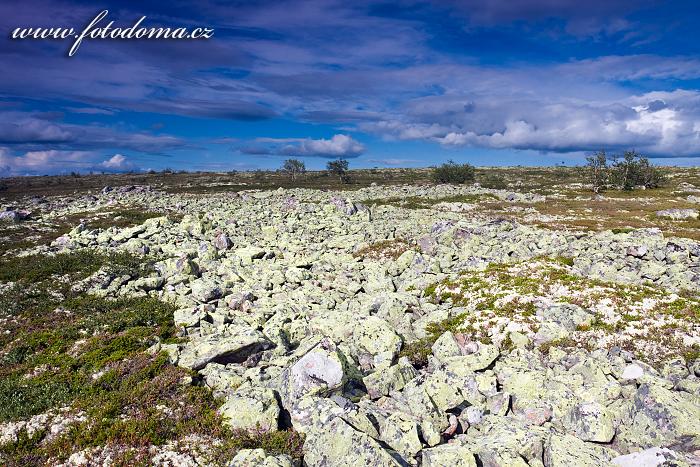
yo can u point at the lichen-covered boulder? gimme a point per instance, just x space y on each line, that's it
182 265
504 441
393 378
221 379
591 422
660 416
568 450
453 455
549 332
400 432
189 316
446 346
250 408
338 444
249 253
375 337
448 390
233 344
566 315
193 225
477 361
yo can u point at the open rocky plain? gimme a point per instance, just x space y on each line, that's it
521 324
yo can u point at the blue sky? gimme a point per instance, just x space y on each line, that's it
383 84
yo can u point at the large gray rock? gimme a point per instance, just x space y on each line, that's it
322 371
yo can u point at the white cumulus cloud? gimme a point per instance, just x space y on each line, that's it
118 163
339 145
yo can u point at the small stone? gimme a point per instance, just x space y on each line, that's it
632 372
473 415
637 251
205 290
222 242
498 404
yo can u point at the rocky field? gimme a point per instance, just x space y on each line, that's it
521 321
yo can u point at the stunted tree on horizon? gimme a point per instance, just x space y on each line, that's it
625 173
294 167
597 165
339 167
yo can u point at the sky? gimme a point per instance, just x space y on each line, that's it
381 84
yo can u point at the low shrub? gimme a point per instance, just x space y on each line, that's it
453 173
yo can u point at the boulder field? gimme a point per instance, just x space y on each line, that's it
431 336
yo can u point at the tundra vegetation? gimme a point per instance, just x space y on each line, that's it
512 317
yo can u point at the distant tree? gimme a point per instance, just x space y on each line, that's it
453 173
626 172
75 174
339 167
293 167
635 170
597 165
649 176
